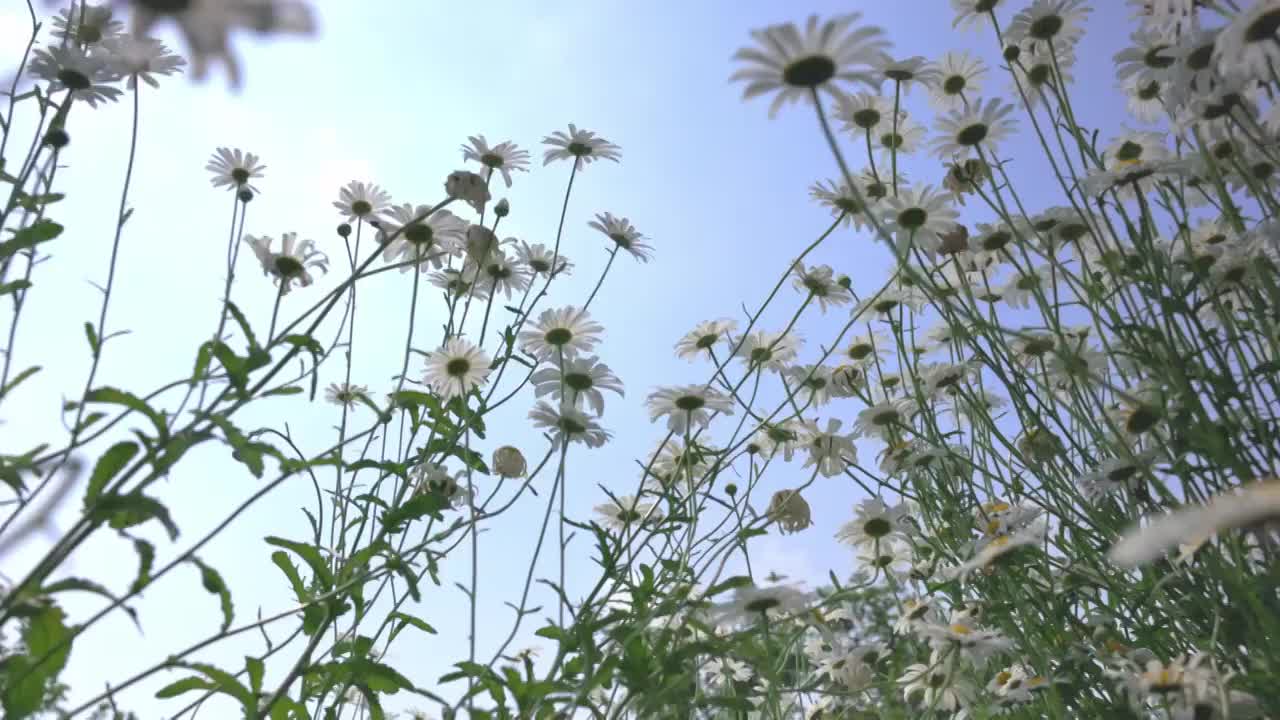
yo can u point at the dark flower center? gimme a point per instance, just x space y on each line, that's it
866 118
972 135
860 350
1129 152
985 6
1046 27
690 403
287 266
877 527
848 204
622 240
1199 58
953 85
165 6
1155 59
1141 419
558 336
706 341
762 604
1264 28
996 240
240 175
419 234
1040 74
579 149
73 79
578 381
492 160
457 367
1150 91
361 207
892 140
912 218
570 426
899 74
809 71
885 417
761 355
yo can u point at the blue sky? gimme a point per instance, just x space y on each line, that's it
387 92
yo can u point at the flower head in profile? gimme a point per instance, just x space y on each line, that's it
456 369
566 330
508 462
820 282
918 217
627 511
468 187
346 394
905 73
1058 21
623 234
578 379
417 234
704 337
86 24
503 157
140 58
581 145
770 349
849 206
1250 44
539 259
360 200
207 25
753 603
1249 505
569 424
233 169
687 406
85 76
292 263
972 12
829 450
795 64
789 511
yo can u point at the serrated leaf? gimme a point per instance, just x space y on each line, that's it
146 560
409 620
107 467
427 503
115 396
29 237
128 510
13 287
212 581
18 379
310 555
282 561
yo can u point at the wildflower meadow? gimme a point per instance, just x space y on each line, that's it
394 469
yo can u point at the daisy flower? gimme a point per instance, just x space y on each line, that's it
581 145
1034 68
819 282
863 347
829 451
770 349
503 157
902 138
892 559
1250 44
936 685
468 187
565 331
86 24
539 259
879 420
687 406
627 510
233 169
703 337
961 131
501 275
1060 21
812 383
456 369
753 603
972 12
850 207
358 200
584 377
958 81
915 612
918 216
721 671
963 633
795 64
1249 505
873 521
84 76
778 437
508 462
569 424
865 112
906 72
415 233
345 394
789 511
1194 71
623 234
206 25
1148 58
437 480
1031 536
140 59
291 263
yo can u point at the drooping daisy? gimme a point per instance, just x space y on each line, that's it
457 368
291 263
829 450
138 58
580 379
233 169
468 187
359 200
874 521
345 394
1251 504
628 510
960 132
781 437
705 336
86 24
918 216
1250 44
906 72
539 258
501 274
503 157
852 208
581 145
789 511
508 462
569 424
207 25
623 234
687 406
812 384
795 64
959 81
880 419
988 552
84 76
820 283
416 234
770 349
752 603
565 331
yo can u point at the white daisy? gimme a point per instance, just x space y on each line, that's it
86 24
721 671
901 139
769 349
345 394
795 63
138 58
85 77
584 377
416 234
687 406
628 510
972 12
1148 58
880 419
830 451
456 369
703 337
1250 44
539 258
906 72
820 283
865 112
782 437
569 424
890 558
874 521
565 331
851 208
961 131
917 216
233 169
503 157
501 274
753 603
291 263
623 234
812 384
959 81
581 145
1249 505
358 200
937 685
1060 21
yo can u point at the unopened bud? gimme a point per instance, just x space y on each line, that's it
245 195
344 230
502 209
508 462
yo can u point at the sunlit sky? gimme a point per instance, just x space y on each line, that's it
386 93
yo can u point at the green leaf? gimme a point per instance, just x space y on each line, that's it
126 511
310 555
94 344
736 581
243 449
18 379
146 559
29 237
74 584
406 621
282 561
213 582
115 396
422 504
108 466
13 287
286 390
243 323
222 681
255 668
185 685
48 644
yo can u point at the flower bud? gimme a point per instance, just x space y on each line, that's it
57 138
730 489
469 188
508 462
245 195
344 230
502 209
790 511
